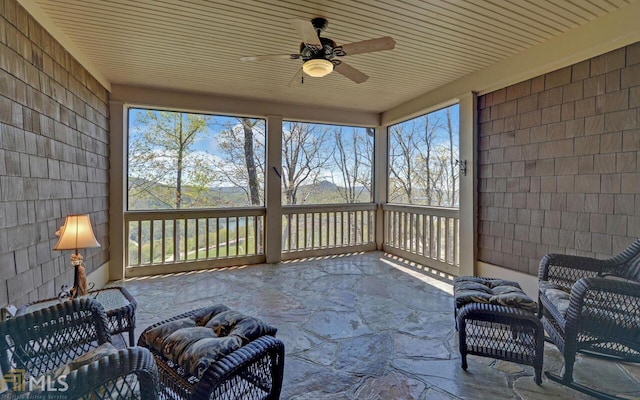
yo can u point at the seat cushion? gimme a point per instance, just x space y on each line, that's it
556 295
51 378
155 337
96 354
491 291
197 341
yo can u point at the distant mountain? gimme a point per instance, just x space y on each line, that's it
159 196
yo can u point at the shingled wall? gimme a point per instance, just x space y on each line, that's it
54 148
559 167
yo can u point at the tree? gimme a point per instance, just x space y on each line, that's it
250 160
163 161
403 150
242 160
354 162
421 164
453 202
303 157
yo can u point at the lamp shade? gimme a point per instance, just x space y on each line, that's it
317 67
76 233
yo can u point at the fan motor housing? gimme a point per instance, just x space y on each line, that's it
326 52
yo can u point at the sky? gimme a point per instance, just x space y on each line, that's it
218 123
209 144
441 134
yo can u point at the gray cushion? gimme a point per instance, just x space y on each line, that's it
155 337
491 291
90 357
196 342
556 295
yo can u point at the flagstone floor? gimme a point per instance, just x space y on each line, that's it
366 326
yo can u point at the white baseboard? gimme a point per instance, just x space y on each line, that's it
99 277
529 283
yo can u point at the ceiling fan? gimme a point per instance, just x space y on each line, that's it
320 55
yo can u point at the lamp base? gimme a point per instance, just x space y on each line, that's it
80 286
80 282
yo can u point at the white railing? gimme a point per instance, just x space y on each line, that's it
427 235
179 240
323 229
163 241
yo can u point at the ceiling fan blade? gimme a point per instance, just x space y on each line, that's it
367 46
307 32
270 57
350 72
296 80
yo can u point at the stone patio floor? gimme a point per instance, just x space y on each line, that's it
366 326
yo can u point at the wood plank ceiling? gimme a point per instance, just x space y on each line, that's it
195 45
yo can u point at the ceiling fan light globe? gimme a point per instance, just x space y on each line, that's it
317 67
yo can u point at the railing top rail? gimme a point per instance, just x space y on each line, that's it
193 213
304 208
426 210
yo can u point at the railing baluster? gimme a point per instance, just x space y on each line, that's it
319 220
341 224
246 235
387 227
392 220
163 242
139 242
361 213
174 233
446 239
226 236
411 233
354 228
127 235
403 231
362 216
290 229
335 229
197 221
298 217
207 237
455 242
237 236
431 239
438 237
217 237
421 239
152 242
349 229
186 239
313 230
252 231
398 234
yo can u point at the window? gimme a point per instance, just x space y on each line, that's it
183 160
325 164
423 156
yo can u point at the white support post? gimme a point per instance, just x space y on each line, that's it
380 182
273 191
117 187
468 183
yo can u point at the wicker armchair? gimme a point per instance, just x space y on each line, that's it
591 305
40 342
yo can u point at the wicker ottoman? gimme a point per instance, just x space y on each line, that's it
496 319
216 353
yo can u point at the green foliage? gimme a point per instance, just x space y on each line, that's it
164 169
